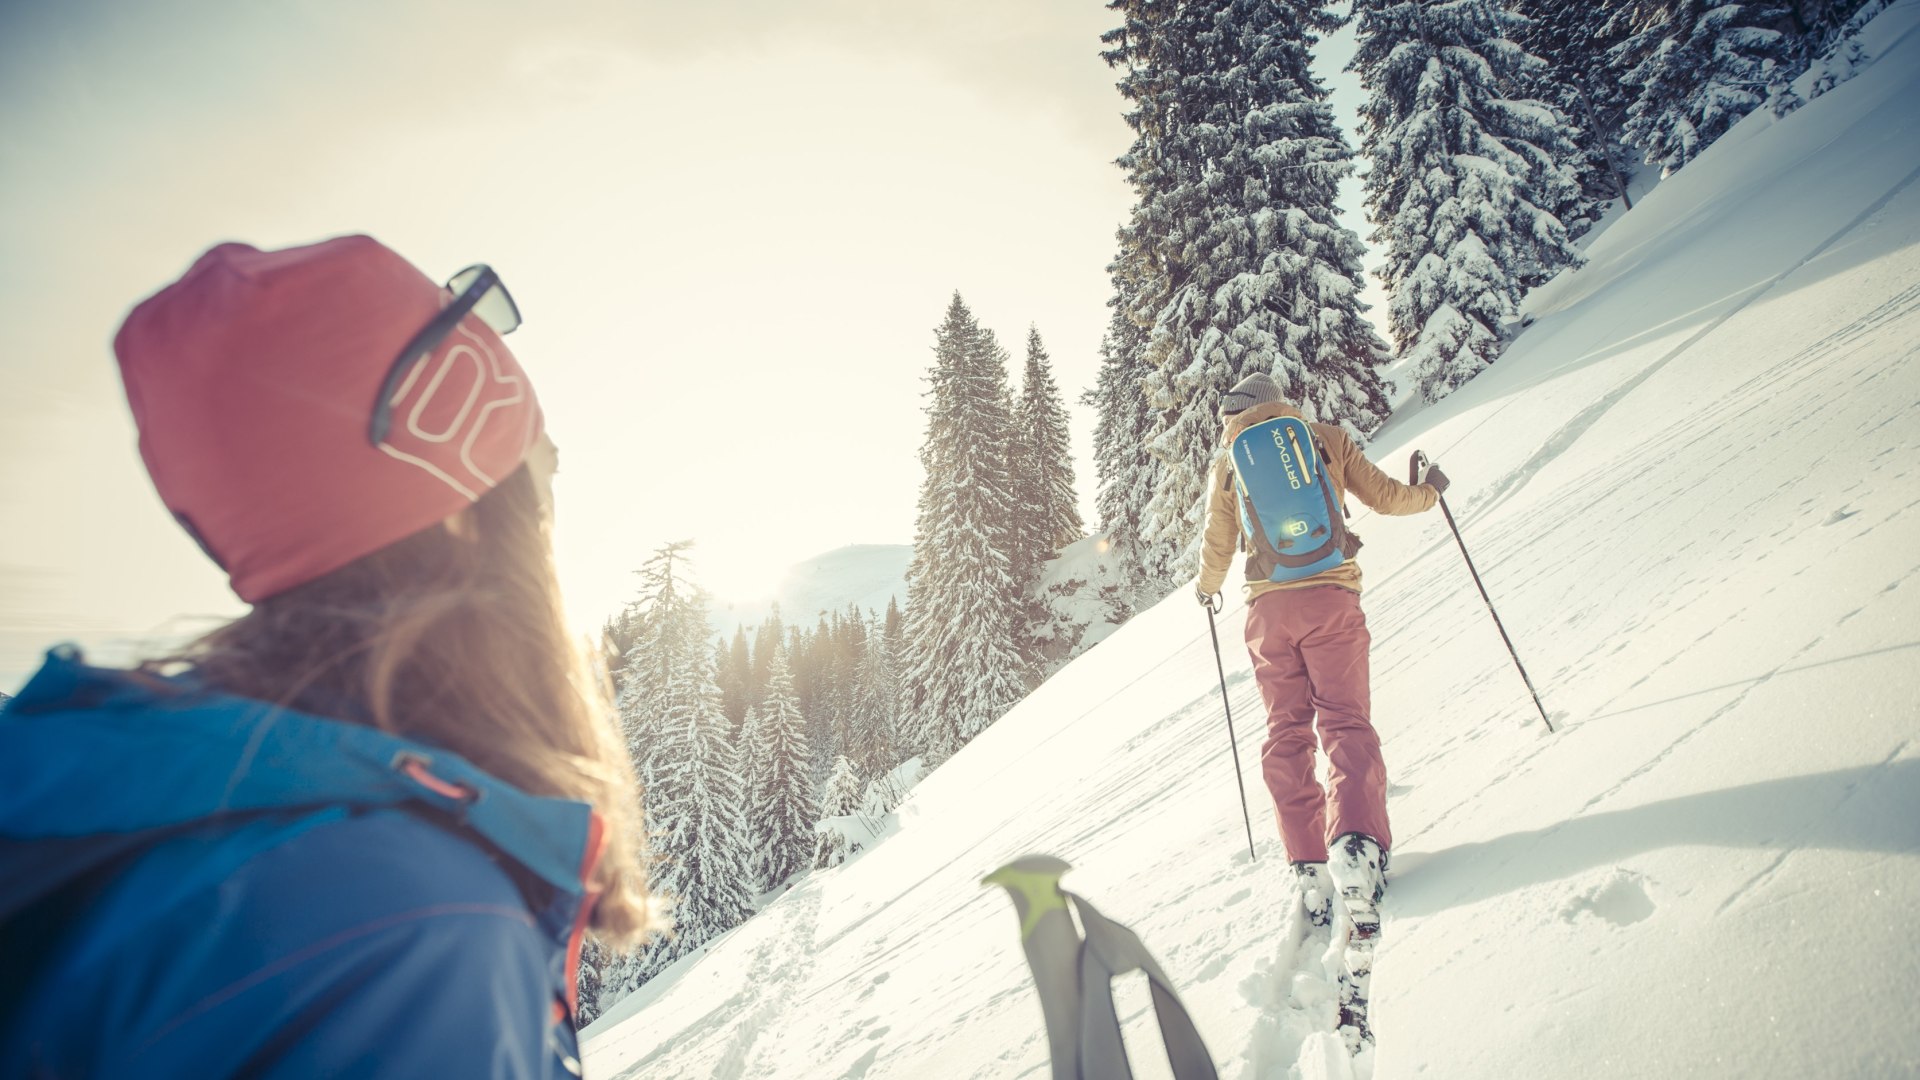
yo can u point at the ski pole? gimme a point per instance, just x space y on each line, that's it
1420 465
1232 741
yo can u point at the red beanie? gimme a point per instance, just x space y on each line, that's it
253 379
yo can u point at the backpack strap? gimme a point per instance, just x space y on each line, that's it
1228 485
1254 535
1319 447
1350 542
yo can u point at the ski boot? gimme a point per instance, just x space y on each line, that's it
1317 891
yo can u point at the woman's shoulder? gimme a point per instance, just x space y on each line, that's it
209 875
274 926
384 862
1336 438
261 891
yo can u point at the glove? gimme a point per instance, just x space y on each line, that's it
1210 601
1436 479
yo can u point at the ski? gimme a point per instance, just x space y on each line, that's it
1363 932
1357 865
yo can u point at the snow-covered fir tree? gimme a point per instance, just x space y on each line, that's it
780 805
966 666
1045 499
1580 76
768 638
590 982
1045 505
655 657
1825 22
1461 181
843 794
1131 389
844 789
813 682
1833 35
1124 423
894 636
848 648
689 770
873 707
1699 67
1237 168
616 642
734 669
728 692
894 629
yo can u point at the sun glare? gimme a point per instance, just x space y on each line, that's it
738 576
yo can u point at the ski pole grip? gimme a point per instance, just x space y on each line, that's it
1417 467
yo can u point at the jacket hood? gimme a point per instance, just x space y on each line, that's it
95 761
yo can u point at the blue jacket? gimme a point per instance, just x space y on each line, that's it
199 885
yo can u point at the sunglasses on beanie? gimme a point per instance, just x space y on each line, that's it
477 290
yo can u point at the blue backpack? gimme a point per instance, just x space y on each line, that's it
1290 514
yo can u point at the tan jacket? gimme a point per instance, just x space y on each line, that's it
1351 472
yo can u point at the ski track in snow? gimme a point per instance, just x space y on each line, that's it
1569 434
784 954
780 956
1702 469
1898 317
1768 872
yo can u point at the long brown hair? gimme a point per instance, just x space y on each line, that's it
459 640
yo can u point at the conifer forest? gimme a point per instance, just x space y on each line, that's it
1494 136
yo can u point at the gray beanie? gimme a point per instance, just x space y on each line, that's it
1256 389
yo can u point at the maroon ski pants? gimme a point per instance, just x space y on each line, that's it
1309 651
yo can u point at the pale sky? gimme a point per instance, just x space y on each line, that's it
731 227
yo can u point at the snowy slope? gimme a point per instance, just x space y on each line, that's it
864 574
1693 485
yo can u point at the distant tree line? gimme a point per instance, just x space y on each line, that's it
733 741
744 744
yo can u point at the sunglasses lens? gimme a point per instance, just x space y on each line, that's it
496 308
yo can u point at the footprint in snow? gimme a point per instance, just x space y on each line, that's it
1839 516
1621 900
1211 970
859 1068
